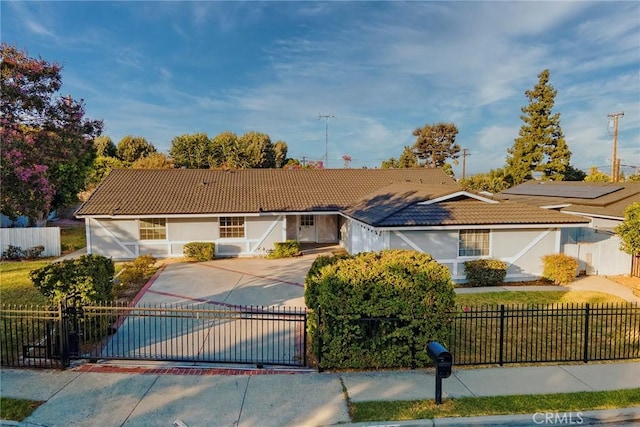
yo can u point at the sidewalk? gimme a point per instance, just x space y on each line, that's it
112 395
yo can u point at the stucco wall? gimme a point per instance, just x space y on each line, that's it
440 244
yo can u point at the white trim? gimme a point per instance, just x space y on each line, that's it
565 205
591 215
480 227
87 233
457 194
211 215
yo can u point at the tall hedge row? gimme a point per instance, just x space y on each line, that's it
409 289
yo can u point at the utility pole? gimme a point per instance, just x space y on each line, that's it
615 171
326 118
465 153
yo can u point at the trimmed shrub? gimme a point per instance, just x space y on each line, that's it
137 270
312 279
13 253
33 252
408 290
86 279
200 251
485 272
287 249
559 268
16 253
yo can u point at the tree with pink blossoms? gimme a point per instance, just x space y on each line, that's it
47 143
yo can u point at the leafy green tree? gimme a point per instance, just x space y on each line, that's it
153 161
634 177
280 149
436 143
101 168
226 151
131 148
574 174
191 151
629 230
595 175
258 149
495 181
47 143
540 146
407 160
105 146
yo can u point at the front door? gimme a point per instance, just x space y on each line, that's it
306 228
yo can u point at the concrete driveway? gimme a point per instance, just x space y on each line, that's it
234 281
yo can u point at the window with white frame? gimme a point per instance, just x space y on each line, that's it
153 229
306 220
231 226
473 243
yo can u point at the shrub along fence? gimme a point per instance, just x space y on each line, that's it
513 334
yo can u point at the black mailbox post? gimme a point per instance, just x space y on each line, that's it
443 362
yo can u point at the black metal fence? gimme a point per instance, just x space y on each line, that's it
528 333
193 333
50 338
545 333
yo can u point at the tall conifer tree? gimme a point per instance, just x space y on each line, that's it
540 146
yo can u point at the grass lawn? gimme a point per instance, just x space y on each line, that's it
498 405
16 286
72 238
535 297
17 409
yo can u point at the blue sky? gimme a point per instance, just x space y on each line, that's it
163 69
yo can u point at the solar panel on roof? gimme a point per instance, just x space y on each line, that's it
565 191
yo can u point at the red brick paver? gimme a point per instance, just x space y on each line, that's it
147 370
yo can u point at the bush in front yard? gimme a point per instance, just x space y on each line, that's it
86 279
200 251
485 272
312 280
408 290
560 268
287 249
136 271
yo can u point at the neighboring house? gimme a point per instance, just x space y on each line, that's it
596 246
245 212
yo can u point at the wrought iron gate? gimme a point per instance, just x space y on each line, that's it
187 333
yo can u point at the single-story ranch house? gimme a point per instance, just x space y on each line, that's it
603 203
136 211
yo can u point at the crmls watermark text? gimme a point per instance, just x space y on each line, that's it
567 418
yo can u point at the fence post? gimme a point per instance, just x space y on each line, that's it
585 355
319 333
501 357
63 331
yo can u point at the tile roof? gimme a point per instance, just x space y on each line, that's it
206 191
476 212
612 204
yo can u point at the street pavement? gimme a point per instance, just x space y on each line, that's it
86 397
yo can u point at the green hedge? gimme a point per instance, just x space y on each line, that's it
485 272
200 251
136 271
287 249
409 289
559 268
86 279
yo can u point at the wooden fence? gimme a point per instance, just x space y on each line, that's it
26 238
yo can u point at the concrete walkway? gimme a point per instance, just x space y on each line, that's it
93 395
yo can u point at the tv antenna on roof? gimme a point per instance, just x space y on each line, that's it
326 118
